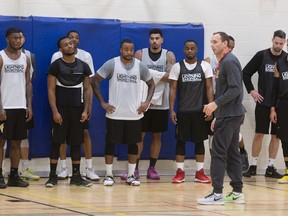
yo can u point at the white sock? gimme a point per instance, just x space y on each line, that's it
131 169
218 194
109 169
89 163
271 161
254 161
63 163
3 164
199 165
180 165
24 164
236 193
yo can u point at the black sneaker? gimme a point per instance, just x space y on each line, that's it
245 162
52 181
271 172
16 181
76 179
250 172
3 185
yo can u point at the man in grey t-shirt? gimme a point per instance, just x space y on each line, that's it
125 107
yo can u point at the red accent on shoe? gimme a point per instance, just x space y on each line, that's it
201 177
180 176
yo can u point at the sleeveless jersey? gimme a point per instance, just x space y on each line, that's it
191 88
213 63
159 65
124 91
81 54
266 76
13 82
69 83
282 66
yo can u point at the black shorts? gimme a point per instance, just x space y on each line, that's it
155 121
71 131
262 119
86 124
282 123
14 127
191 127
123 131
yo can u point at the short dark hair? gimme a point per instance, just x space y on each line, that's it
223 35
126 40
12 31
280 34
231 38
72 31
156 31
60 39
190 40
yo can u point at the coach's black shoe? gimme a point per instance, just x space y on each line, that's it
76 179
250 172
3 185
52 181
271 172
16 181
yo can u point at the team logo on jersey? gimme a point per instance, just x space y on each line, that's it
191 77
14 68
284 75
127 78
269 68
159 68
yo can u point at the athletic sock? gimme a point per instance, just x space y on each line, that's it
109 169
271 161
131 169
199 165
152 162
24 164
89 163
254 161
180 165
75 168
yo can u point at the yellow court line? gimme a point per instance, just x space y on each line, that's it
76 204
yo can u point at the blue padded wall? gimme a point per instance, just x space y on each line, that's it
102 39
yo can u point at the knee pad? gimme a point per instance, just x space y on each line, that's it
109 148
180 148
54 153
133 149
199 148
75 152
24 144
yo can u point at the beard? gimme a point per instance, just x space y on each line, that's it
127 57
277 50
69 54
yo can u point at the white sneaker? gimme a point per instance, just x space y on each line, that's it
212 199
131 180
27 174
90 174
63 173
108 181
